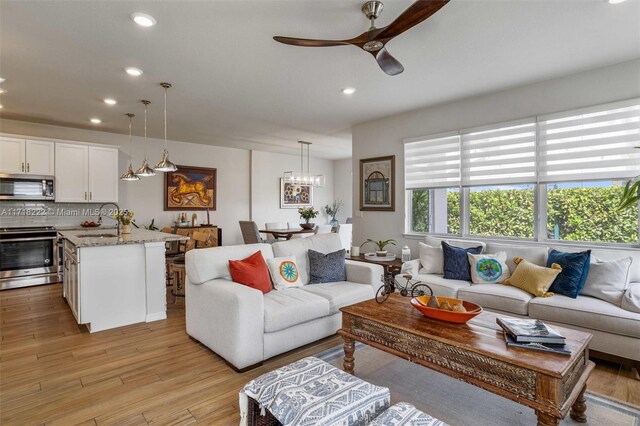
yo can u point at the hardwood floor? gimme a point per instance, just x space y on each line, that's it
53 371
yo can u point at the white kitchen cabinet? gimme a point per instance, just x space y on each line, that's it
103 174
72 173
12 153
33 157
39 157
71 279
86 173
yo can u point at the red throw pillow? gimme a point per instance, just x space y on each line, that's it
252 272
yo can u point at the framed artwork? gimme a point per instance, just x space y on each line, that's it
190 188
377 181
293 196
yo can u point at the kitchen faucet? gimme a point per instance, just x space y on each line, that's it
117 221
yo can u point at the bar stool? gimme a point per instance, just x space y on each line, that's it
170 251
176 267
202 239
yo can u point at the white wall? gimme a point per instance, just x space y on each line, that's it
267 169
237 196
342 187
385 136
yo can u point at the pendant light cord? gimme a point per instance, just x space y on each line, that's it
165 118
145 132
130 140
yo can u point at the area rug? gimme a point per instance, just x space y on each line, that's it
459 403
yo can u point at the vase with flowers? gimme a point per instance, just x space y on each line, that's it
125 218
332 210
307 213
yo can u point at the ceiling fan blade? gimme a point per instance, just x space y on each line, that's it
416 13
388 63
305 42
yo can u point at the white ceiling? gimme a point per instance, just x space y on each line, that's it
235 86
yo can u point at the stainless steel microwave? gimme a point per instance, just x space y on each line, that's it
26 187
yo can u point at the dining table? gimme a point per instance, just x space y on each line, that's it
286 234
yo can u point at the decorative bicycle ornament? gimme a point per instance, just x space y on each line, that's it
410 287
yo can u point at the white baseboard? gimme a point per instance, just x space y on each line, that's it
156 316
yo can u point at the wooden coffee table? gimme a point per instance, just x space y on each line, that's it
475 352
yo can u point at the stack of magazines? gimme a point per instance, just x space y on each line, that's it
532 334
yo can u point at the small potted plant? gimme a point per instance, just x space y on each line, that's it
380 245
125 218
307 213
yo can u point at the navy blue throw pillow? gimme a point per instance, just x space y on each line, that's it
575 267
327 268
456 261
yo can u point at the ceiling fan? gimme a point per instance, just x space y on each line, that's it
374 39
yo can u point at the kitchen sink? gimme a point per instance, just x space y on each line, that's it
97 236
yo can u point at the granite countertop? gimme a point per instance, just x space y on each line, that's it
82 228
137 236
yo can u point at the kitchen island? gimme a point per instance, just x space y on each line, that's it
113 280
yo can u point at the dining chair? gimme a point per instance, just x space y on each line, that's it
251 234
324 229
275 225
345 231
297 226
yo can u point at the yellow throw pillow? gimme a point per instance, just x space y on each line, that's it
532 278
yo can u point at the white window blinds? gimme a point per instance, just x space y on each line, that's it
499 154
432 163
594 143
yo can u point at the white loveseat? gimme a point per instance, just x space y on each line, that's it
245 326
616 331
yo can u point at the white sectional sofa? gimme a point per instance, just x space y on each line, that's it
616 331
245 326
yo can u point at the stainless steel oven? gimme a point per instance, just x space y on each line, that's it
28 256
26 187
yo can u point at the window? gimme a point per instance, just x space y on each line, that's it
502 211
432 178
588 211
499 155
596 143
486 181
435 210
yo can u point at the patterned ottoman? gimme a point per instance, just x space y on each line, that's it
405 414
311 392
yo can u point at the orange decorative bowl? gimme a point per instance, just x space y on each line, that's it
420 303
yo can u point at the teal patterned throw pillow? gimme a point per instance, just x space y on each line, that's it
489 268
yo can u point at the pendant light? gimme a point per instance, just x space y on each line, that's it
145 170
304 178
165 165
129 175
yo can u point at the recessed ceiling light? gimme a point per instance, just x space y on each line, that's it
348 91
615 1
0 106
1 80
96 121
133 71
143 19
2 91
109 101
